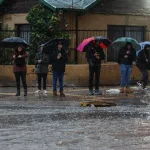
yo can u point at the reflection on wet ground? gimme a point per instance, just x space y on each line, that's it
46 123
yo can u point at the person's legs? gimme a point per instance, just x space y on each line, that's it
128 76
61 85
55 76
44 81
123 77
17 76
23 78
97 80
91 75
145 76
39 78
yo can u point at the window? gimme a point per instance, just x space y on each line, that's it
115 31
23 31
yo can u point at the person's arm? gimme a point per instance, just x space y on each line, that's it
54 56
64 56
36 59
102 54
25 55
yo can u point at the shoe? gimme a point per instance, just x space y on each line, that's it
18 93
128 90
122 90
45 92
98 92
55 93
25 92
91 92
140 84
62 94
37 92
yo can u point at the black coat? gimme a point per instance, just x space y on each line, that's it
131 56
59 65
90 55
141 60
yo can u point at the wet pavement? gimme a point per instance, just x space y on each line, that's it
48 123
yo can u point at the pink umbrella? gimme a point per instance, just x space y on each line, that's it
104 42
84 43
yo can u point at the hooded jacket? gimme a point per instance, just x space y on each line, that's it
123 52
142 58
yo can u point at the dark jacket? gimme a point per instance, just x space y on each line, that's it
43 66
142 58
20 68
90 55
59 65
131 56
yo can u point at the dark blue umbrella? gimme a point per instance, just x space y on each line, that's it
142 44
52 45
13 42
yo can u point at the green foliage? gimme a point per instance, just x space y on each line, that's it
5 53
45 25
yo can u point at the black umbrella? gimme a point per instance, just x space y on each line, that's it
13 42
52 45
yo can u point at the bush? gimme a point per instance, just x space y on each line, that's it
44 27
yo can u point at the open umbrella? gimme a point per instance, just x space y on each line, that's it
120 42
104 43
12 42
142 44
52 44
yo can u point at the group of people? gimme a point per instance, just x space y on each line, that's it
95 54
58 59
126 58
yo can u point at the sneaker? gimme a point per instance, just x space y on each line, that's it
37 92
44 92
140 84
98 92
91 92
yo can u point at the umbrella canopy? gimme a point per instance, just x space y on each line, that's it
69 4
120 42
142 44
104 43
13 42
52 44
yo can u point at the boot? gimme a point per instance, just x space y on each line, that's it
62 94
25 92
55 93
18 92
128 90
122 90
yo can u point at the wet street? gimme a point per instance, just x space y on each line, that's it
47 123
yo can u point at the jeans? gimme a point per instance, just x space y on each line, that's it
39 78
21 75
56 76
94 70
145 75
126 71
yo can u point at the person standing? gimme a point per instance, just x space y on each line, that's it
20 68
142 64
94 56
59 59
126 57
41 69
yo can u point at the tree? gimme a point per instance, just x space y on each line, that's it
45 25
